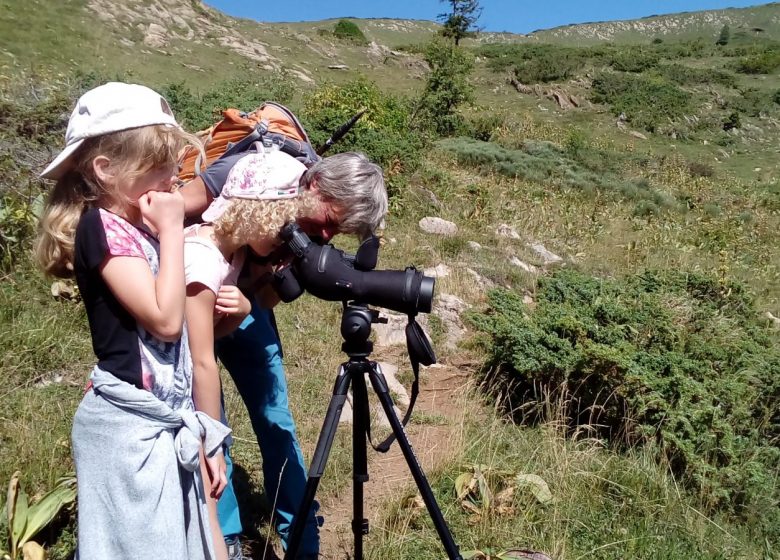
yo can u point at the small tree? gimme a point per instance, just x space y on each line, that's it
349 31
460 22
446 88
724 37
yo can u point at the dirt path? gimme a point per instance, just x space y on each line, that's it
436 434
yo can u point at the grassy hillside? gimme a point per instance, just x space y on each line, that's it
761 21
650 167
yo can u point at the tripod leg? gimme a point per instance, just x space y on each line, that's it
361 419
379 383
318 462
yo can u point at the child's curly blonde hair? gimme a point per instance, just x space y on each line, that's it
247 221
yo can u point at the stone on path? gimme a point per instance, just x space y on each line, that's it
505 230
523 266
438 226
439 271
547 257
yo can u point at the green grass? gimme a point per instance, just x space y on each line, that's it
571 180
605 506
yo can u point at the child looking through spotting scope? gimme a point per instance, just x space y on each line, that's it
114 222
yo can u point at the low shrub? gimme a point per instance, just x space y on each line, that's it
764 63
688 75
349 31
647 101
197 111
544 162
383 132
634 60
677 361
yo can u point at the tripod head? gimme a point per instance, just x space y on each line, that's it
356 321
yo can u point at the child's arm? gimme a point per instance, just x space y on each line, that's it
199 310
233 308
156 303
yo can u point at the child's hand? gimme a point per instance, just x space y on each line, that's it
230 301
163 211
217 469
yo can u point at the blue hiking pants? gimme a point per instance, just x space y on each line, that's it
253 357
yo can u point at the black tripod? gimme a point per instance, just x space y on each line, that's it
355 328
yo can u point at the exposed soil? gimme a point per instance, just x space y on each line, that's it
435 432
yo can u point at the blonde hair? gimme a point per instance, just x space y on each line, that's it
131 153
246 221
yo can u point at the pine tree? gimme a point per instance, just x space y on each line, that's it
460 22
724 37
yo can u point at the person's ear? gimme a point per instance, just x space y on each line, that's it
101 167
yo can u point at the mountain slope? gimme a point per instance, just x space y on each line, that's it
757 21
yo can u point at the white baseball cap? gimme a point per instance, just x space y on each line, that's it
258 176
108 108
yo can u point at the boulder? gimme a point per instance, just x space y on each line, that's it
438 226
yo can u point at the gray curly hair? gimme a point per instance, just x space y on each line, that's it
355 186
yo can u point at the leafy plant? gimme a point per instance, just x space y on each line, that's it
349 31
447 88
676 361
646 101
25 520
383 131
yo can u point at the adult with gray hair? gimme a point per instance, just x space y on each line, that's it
351 198
354 186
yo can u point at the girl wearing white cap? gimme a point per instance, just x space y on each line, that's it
113 222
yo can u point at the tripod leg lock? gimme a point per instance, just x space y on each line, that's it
362 478
360 526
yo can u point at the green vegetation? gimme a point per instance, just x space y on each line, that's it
349 31
645 101
461 21
545 162
382 133
676 361
198 111
641 388
447 88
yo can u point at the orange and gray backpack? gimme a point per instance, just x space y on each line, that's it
270 124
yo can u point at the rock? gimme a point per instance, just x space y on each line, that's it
393 332
523 266
440 271
64 290
390 372
338 67
772 318
528 300
448 308
637 134
156 36
474 246
481 281
505 230
522 88
438 226
547 257
431 196
302 76
562 99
